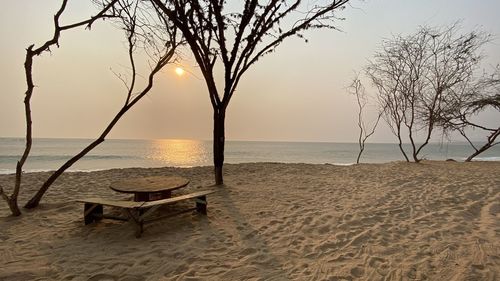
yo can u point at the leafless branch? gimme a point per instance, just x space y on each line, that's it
427 80
239 39
357 89
129 18
31 52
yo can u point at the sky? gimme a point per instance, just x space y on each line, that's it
297 93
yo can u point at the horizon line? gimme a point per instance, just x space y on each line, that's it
237 140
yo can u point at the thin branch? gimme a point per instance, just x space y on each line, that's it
130 25
28 66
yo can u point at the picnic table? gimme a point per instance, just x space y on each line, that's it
150 188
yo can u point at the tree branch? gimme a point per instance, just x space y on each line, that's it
130 23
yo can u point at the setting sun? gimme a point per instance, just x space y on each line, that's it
179 71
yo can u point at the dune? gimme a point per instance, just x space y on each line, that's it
271 221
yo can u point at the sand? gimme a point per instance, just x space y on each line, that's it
394 221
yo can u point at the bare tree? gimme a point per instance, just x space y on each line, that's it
107 11
357 89
416 75
217 31
141 28
387 76
470 101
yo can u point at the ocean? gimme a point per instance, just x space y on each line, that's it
49 154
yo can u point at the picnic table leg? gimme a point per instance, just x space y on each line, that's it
138 220
201 204
92 212
141 197
166 194
158 195
139 228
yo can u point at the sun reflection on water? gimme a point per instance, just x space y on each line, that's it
180 153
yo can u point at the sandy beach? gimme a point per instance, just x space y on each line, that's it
271 221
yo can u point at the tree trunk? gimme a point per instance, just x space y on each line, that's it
35 200
414 151
360 138
14 208
486 146
359 155
12 202
429 133
479 151
219 139
400 144
361 149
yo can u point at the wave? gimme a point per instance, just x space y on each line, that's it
13 171
492 158
14 158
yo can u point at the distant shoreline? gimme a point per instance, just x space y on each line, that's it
50 154
11 172
239 140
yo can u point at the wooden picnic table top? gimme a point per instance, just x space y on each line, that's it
149 184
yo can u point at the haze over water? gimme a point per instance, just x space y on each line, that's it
49 154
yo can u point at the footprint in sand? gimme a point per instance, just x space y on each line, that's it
103 277
357 272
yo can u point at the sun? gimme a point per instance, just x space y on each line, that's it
179 71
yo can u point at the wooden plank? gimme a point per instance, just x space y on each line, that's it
157 218
133 204
176 199
110 202
139 211
149 184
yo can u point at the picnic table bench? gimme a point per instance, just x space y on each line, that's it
139 212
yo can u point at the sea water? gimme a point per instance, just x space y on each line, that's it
49 154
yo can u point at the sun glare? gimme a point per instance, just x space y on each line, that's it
179 71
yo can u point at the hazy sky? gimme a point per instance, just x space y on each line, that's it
295 94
